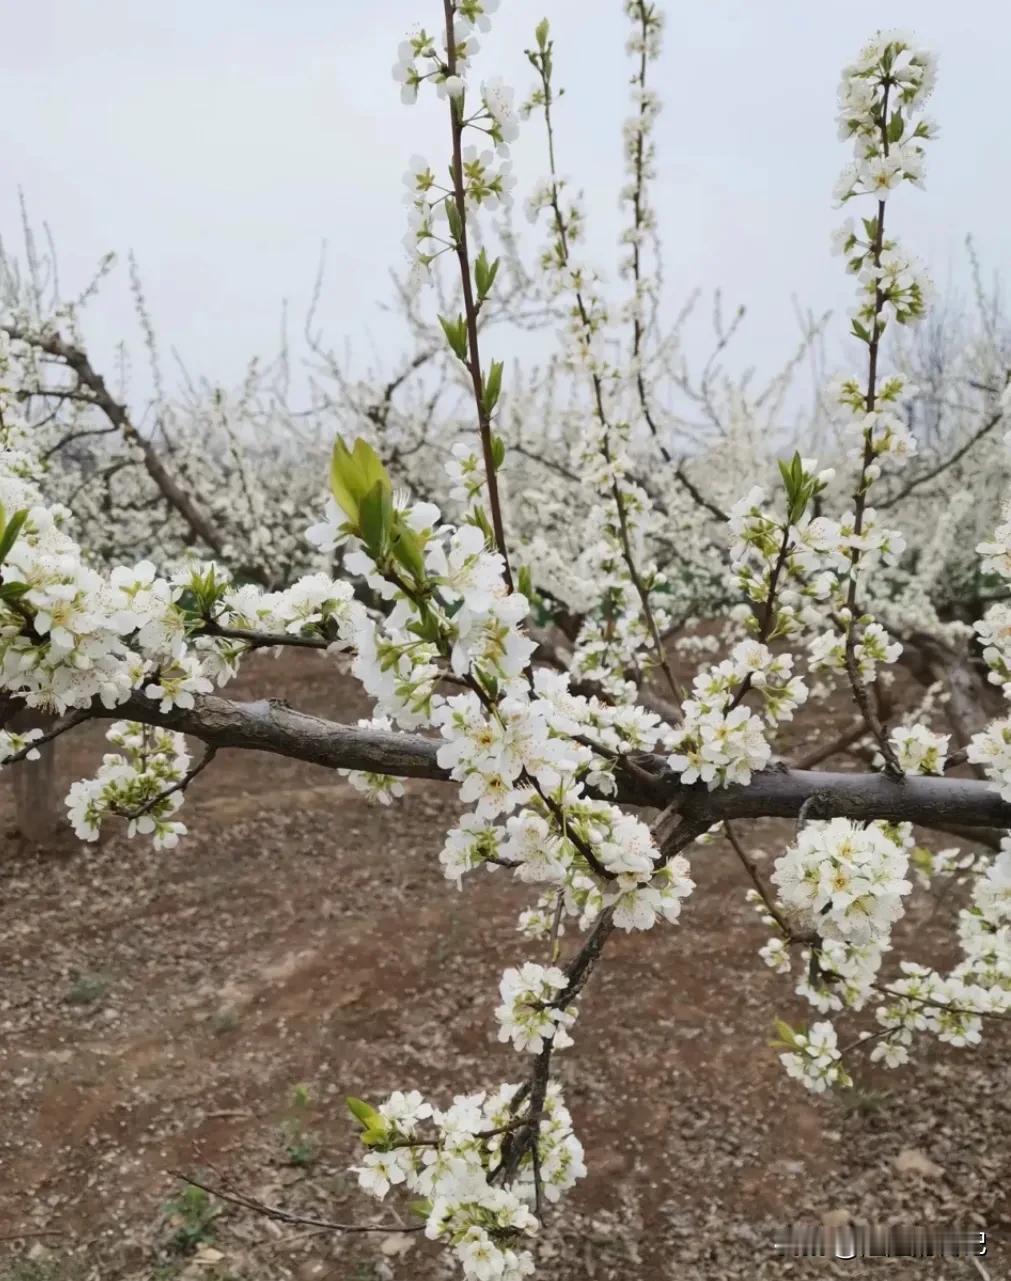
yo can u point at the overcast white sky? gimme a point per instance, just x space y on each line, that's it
223 141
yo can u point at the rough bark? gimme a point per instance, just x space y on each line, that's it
271 726
36 794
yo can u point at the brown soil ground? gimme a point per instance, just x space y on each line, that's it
156 1012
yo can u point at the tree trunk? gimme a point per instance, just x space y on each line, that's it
972 703
36 798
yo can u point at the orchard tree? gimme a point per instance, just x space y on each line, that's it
532 670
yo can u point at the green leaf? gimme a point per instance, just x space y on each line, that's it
541 32
377 519
479 517
370 466
784 1032
13 591
422 1208
456 336
426 627
491 393
484 275
525 582
10 534
861 332
353 474
498 451
895 127
481 269
343 484
407 549
363 1112
454 219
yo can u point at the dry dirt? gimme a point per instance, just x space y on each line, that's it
157 1011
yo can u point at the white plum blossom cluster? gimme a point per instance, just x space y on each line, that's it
19 744
880 95
991 748
798 569
455 1171
529 1015
891 285
919 750
880 98
478 177
644 44
813 1057
844 881
953 1007
524 760
881 436
994 628
828 652
844 888
381 788
721 741
135 783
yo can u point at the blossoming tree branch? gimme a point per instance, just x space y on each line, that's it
543 691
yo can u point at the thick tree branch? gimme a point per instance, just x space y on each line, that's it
272 726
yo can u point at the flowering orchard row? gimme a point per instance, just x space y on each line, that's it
441 612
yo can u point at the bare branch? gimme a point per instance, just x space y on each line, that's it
77 360
922 479
285 1216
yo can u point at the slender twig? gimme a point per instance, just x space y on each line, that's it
769 615
960 453
941 1005
556 925
846 739
860 502
868 1038
263 640
628 556
469 305
68 722
638 329
286 1216
180 786
752 869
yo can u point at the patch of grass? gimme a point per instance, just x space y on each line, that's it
191 1217
365 1272
300 1144
866 1101
223 1021
172 1269
86 989
166 1271
33 1270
